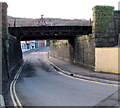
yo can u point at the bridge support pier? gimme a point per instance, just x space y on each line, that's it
72 49
3 44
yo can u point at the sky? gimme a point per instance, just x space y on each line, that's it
65 9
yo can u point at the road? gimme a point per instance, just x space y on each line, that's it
40 85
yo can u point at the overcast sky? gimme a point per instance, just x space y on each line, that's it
68 9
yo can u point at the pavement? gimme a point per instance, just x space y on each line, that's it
78 71
2 103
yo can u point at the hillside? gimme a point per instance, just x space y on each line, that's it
49 21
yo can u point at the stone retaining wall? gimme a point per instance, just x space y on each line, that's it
105 33
85 51
10 50
3 44
14 55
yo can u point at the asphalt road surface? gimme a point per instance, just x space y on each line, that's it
40 85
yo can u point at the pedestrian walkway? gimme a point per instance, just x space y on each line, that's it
74 69
2 104
113 101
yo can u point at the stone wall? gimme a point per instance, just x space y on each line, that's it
82 53
117 22
10 51
106 26
107 39
3 44
14 55
85 51
0 48
105 32
60 50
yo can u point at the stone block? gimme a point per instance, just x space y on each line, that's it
3 24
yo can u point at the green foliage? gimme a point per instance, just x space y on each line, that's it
52 44
84 37
55 43
102 16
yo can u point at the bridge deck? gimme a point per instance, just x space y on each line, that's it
49 32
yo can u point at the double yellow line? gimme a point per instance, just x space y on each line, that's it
62 72
13 94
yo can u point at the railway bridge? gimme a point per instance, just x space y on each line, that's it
10 37
69 33
49 32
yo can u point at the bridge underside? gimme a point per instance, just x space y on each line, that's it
44 38
49 32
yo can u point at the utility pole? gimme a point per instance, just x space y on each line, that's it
119 5
90 22
14 22
119 40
